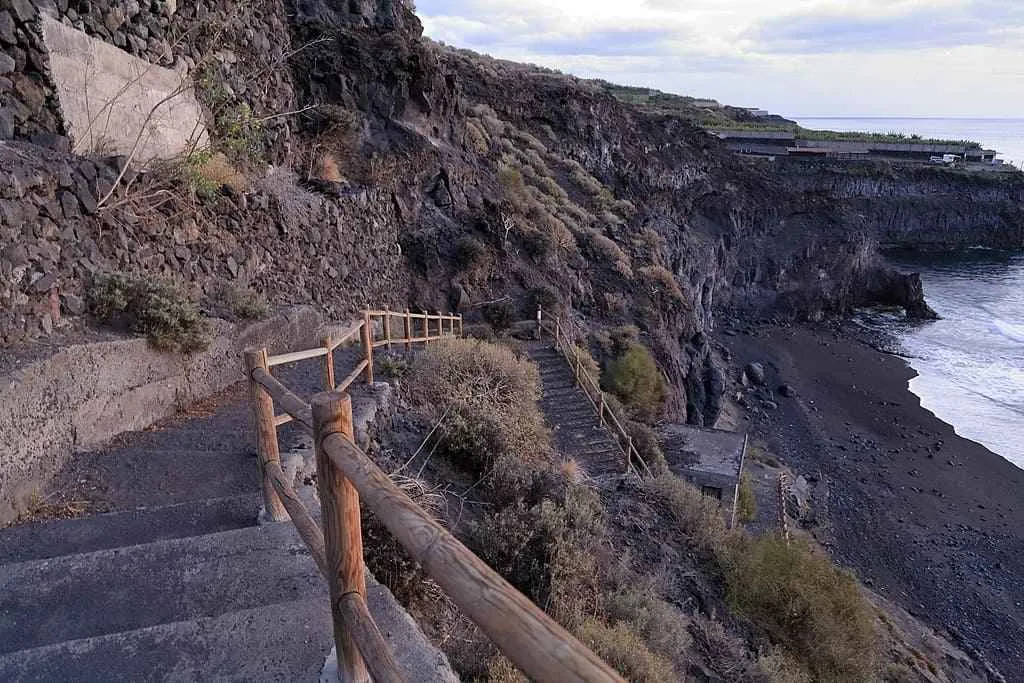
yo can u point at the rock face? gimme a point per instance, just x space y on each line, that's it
448 177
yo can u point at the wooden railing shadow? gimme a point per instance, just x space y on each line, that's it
346 478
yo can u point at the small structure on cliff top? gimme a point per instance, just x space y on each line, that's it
710 459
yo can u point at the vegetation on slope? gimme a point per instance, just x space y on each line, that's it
577 554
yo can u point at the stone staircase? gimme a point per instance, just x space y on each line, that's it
578 433
177 582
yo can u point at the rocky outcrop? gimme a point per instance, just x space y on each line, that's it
925 208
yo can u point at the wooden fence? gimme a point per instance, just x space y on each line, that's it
567 347
346 477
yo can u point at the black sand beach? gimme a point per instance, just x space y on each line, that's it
928 519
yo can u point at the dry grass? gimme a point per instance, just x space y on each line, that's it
627 653
661 282
805 604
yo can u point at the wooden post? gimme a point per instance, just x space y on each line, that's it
368 345
408 330
387 327
601 409
576 353
266 433
343 541
328 365
538 321
461 333
629 453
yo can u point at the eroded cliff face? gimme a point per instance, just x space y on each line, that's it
471 183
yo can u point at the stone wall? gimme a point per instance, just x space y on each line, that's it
85 394
241 49
338 251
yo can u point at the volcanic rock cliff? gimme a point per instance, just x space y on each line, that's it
443 178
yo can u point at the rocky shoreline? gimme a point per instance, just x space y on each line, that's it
926 518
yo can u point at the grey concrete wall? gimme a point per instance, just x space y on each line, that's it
114 103
84 395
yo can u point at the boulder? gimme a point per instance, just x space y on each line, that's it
754 373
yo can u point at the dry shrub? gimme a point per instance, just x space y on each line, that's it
726 654
551 188
614 302
645 440
484 397
547 550
587 183
694 515
627 653
587 362
805 604
327 169
219 171
746 500
501 670
477 139
240 303
530 141
511 181
663 627
660 281
635 378
624 208
157 308
607 251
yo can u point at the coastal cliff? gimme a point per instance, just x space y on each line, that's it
359 162
496 181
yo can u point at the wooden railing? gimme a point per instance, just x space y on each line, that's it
346 477
592 390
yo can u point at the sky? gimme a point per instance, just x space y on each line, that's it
792 57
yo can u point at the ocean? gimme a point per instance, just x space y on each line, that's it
970 363
1006 136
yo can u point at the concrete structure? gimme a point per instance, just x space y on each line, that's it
774 143
112 102
710 459
110 387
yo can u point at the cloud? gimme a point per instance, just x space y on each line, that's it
901 27
922 57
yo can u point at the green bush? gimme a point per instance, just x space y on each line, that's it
635 378
805 604
154 307
746 500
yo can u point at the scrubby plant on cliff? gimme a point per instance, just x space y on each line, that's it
635 378
806 605
484 399
155 307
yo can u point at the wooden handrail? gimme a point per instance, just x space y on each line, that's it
296 356
584 379
530 638
340 338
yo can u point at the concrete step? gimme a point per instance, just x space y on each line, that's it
131 477
566 412
277 642
122 589
43 540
